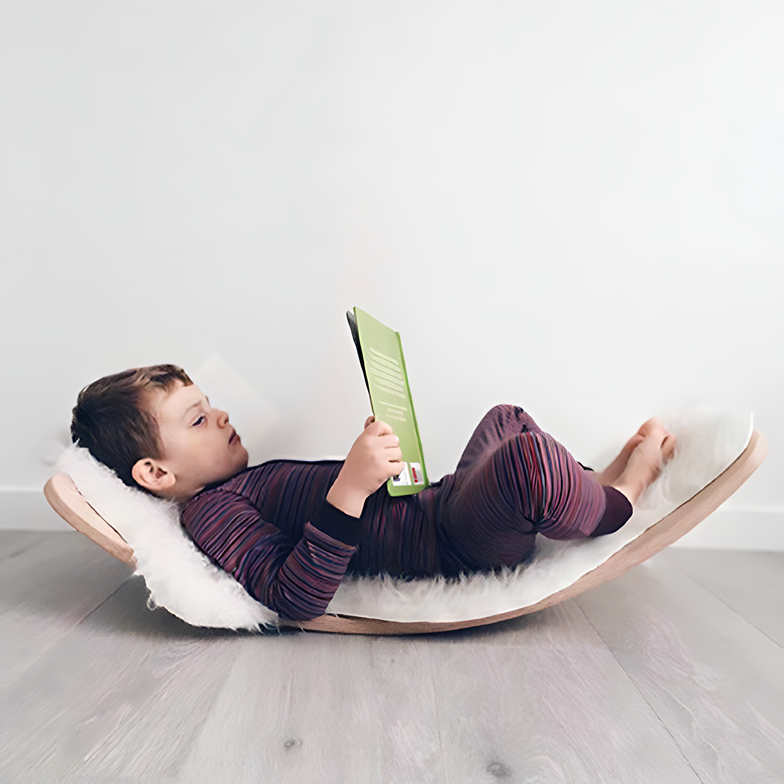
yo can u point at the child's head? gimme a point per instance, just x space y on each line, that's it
157 431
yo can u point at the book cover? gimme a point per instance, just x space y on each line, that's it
381 356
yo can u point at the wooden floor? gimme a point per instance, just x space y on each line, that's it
672 673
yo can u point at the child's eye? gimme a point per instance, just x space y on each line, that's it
199 421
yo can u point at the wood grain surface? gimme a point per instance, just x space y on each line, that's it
64 497
17 542
751 583
713 679
46 590
653 677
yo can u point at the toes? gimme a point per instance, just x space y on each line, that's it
655 430
649 427
668 446
634 442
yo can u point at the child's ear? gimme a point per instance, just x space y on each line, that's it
151 475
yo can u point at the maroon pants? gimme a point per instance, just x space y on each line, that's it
512 482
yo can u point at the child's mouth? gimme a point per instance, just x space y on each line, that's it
234 437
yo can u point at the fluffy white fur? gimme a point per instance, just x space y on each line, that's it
184 581
178 575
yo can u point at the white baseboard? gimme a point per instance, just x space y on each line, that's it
738 529
725 529
28 510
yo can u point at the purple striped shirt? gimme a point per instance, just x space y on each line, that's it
272 530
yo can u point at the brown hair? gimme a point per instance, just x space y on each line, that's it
112 419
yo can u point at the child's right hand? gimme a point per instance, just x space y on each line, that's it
374 458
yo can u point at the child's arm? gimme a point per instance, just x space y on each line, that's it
296 579
374 458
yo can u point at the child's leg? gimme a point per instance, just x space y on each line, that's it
512 482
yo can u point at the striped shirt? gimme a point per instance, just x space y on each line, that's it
273 530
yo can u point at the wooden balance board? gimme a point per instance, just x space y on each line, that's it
65 499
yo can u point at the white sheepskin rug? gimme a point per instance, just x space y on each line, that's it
184 581
178 575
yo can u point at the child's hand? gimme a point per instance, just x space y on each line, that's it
374 458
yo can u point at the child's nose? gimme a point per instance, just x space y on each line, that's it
223 418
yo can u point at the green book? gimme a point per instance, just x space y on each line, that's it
381 356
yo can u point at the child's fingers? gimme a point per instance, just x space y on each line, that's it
380 428
369 421
387 449
388 442
396 468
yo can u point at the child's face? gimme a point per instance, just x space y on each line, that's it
199 445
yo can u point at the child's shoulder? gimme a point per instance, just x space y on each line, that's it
247 486
267 481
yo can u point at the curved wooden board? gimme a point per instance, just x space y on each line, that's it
64 497
66 500
655 539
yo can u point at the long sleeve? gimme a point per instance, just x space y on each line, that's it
617 512
295 579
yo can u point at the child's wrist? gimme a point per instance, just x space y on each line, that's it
347 499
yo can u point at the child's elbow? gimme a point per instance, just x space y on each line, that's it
296 608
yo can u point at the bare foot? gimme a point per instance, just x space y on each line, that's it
646 459
613 471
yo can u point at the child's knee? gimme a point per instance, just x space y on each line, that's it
537 464
509 419
506 409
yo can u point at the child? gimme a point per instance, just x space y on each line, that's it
289 530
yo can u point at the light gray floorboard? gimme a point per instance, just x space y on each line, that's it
12 543
715 681
544 700
120 693
45 591
531 700
752 583
323 708
123 695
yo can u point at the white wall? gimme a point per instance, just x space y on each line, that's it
574 207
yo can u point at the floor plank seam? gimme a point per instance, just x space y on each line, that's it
103 601
637 689
10 556
751 623
438 714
